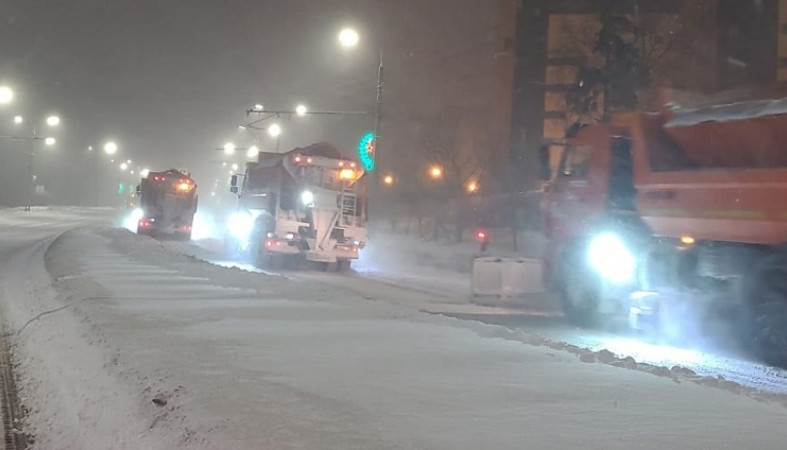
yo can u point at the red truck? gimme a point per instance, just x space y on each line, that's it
678 210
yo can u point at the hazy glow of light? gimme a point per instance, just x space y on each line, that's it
348 38
110 148
6 95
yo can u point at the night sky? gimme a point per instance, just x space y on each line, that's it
170 81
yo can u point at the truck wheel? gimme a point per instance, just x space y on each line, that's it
580 294
770 332
765 295
343 265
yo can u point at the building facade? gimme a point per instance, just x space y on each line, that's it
701 45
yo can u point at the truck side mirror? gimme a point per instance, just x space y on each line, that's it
545 172
138 189
234 182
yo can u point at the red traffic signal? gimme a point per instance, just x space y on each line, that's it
481 236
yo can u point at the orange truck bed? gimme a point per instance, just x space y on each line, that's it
715 174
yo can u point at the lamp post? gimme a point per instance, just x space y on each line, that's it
349 39
51 121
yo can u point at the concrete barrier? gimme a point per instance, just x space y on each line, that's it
506 277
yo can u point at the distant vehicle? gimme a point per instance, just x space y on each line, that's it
308 203
683 210
168 201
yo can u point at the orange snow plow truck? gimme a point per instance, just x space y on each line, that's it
679 211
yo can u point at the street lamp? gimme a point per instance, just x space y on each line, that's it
274 130
144 173
252 152
6 95
348 38
301 110
18 120
110 148
123 166
436 172
472 187
53 121
258 107
50 141
229 148
388 180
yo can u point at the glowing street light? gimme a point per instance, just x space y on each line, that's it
258 107
252 152
388 180
472 187
144 173
53 121
229 148
18 119
50 141
123 166
110 148
348 38
6 95
234 166
436 172
301 110
274 130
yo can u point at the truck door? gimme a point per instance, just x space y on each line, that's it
571 195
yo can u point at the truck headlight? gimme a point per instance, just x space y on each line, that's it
307 197
137 213
240 225
608 255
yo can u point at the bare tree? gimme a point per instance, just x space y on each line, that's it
619 56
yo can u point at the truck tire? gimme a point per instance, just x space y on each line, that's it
580 295
580 288
343 265
765 297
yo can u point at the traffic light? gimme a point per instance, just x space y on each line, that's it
366 147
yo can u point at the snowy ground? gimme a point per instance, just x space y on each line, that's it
434 277
138 346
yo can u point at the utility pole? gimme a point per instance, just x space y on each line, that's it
378 111
30 174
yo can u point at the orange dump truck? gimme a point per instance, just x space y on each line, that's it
680 210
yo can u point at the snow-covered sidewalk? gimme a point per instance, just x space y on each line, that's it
160 350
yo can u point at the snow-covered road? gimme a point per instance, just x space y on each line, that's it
137 346
433 289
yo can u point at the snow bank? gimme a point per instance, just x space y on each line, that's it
73 402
